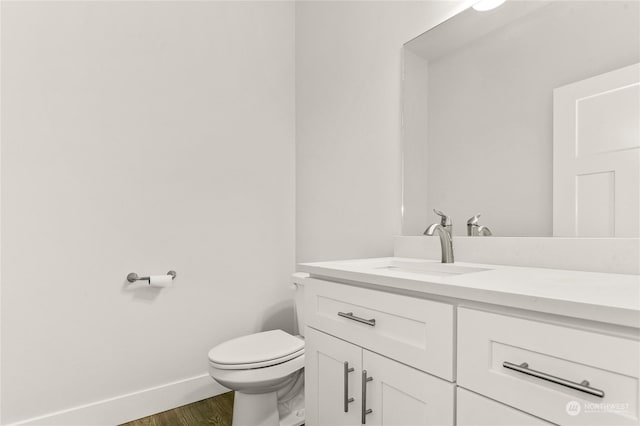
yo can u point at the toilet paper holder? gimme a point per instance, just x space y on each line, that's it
133 277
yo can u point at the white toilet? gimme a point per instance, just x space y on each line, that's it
266 371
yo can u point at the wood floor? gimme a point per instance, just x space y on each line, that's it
216 411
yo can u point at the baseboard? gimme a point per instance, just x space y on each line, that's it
132 406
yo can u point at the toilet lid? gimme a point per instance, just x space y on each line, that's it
261 348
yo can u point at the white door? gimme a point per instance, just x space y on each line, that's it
399 395
596 156
332 389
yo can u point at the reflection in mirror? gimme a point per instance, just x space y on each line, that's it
478 119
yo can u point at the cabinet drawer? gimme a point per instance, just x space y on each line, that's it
493 350
476 410
414 331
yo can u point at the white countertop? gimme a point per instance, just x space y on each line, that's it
603 297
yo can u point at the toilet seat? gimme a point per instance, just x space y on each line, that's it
261 364
256 351
257 380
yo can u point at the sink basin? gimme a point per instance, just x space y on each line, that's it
430 267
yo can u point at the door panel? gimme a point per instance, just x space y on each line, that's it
596 156
325 356
401 395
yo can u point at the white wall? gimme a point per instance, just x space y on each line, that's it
141 137
348 133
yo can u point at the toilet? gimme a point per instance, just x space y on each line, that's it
266 371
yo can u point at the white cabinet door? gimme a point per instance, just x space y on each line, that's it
476 410
399 395
326 384
596 156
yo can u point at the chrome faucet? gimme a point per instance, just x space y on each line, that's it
444 232
445 221
474 230
483 231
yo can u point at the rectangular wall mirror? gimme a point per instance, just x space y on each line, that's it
491 100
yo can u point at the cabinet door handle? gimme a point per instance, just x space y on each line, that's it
349 315
347 400
582 386
365 411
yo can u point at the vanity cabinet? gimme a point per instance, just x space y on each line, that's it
406 359
349 385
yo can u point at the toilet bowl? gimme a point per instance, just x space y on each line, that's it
262 369
266 371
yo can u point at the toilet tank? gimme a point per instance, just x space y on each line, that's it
297 280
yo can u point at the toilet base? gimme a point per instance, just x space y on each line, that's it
260 409
294 414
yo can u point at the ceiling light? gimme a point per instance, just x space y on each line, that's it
484 5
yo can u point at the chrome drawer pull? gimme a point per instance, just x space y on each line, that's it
349 315
347 400
582 386
365 411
